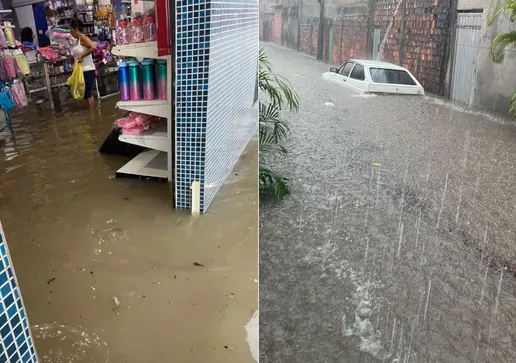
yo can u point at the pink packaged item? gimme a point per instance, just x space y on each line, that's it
48 53
3 76
10 66
19 94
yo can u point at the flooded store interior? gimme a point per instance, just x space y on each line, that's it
109 270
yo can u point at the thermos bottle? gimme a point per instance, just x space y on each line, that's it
123 81
162 79
149 85
135 80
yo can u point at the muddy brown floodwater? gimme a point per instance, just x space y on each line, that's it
185 287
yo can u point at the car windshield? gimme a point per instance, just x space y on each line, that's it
391 76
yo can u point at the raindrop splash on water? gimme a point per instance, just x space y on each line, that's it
477 350
377 190
400 239
484 246
495 312
484 285
418 225
458 207
442 202
427 298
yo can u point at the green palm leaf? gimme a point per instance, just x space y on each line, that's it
273 131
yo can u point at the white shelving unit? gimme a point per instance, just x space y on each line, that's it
157 161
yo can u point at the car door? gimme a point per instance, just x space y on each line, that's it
340 77
357 78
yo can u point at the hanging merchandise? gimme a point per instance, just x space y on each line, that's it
3 75
9 63
9 34
6 100
19 94
3 40
22 62
76 82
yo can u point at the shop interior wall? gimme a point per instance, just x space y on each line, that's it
232 108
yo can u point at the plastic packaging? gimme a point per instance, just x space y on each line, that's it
3 40
23 64
19 94
149 29
122 33
137 31
9 34
9 66
76 82
48 53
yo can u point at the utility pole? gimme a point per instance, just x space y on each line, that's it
402 31
320 38
370 29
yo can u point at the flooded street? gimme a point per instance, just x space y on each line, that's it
108 270
398 241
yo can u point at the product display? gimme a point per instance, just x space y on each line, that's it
149 85
123 80
135 86
162 79
135 123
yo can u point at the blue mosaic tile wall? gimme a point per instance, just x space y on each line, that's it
16 340
216 69
192 68
232 110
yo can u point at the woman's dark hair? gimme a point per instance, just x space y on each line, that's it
76 24
27 35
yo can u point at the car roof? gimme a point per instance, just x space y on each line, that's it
377 64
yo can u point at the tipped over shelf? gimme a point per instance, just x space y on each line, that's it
156 139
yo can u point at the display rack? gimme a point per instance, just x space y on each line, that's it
157 161
39 70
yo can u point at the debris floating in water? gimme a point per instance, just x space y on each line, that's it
377 164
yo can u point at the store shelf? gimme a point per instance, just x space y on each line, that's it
155 139
37 90
142 50
158 108
150 164
59 85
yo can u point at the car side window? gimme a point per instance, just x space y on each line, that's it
358 73
346 68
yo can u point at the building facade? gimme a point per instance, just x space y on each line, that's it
444 43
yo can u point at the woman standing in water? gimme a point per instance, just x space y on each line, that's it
82 52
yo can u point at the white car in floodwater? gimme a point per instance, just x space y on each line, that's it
374 77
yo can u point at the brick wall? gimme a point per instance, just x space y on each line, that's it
349 38
308 32
427 25
277 25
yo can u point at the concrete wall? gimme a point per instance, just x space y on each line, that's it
494 81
